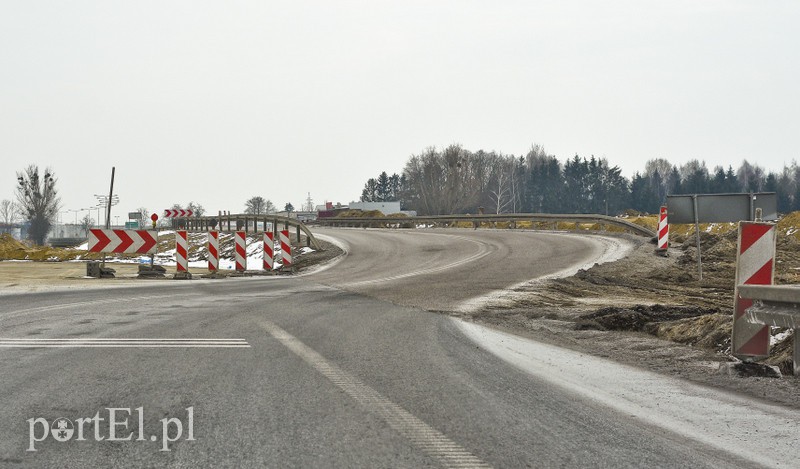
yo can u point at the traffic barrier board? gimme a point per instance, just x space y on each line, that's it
755 264
269 250
122 241
240 251
182 250
213 251
177 213
286 248
663 230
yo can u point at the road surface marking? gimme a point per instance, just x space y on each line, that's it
123 343
433 442
484 250
41 309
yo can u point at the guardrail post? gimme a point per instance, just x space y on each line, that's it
755 262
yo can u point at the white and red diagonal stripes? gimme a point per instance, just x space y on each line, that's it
213 251
286 248
663 230
179 213
181 251
269 250
240 251
122 241
755 263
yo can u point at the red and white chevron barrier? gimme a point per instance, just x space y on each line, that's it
122 241
755 262
663 230
181 213
286 248
240 253
269 250
213 251
182 251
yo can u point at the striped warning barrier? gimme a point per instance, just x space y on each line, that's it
240 251
663 230
755 261
269 250
286 248
213 251
182 251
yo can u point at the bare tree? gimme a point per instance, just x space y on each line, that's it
751 177
86 224
144 216
8 214
38 201
500 193
255 205
196 208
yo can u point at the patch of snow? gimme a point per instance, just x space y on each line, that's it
778 338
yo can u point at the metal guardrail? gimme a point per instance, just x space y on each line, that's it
476 220
777 306
248 223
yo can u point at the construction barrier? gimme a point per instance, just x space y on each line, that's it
240 251
286 248
755 262
663 230
269 250
213 251
182 250
122 241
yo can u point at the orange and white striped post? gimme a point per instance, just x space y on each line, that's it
755 265
269 250
213 251
286 248
663 231
240 251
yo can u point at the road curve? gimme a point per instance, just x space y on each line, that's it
442 269
342 368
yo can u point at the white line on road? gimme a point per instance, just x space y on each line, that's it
41 309
484 250
123 342
433 442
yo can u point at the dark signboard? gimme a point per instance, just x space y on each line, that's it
721 208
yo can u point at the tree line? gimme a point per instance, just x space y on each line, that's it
455 180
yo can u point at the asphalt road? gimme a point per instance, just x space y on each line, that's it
339 368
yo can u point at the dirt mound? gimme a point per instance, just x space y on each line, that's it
360 214
12 249
637 318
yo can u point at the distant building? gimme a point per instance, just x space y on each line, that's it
387 208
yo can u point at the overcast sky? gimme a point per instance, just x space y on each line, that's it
219 101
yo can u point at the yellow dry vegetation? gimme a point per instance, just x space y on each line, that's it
647 221
708 331
11 249
789 225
